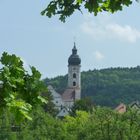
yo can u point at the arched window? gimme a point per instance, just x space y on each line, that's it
74 83
74 75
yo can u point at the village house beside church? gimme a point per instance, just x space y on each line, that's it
64 101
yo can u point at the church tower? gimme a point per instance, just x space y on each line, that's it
74 74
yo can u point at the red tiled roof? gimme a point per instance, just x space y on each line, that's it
68 95
121 108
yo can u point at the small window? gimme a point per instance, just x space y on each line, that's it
74 75
74 83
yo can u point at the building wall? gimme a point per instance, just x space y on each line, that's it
71 71
74 76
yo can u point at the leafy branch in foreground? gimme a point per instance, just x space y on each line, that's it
66 8
19 91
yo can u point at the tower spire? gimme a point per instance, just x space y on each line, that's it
74 45
74 39
74 50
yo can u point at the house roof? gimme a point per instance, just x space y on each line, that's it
53 92
63 112
68 95
121 108
74 59
135 103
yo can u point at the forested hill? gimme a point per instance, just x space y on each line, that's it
107 87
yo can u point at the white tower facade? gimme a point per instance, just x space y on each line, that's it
74 73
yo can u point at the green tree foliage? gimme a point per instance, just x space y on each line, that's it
101 124
108 87
50 107
19 91
21 94
43 127
6 127
66 8
84 104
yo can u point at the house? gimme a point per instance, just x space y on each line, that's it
135 105
63 112
57 99
121 108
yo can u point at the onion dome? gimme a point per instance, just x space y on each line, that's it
74 59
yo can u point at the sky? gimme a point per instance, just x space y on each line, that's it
104 41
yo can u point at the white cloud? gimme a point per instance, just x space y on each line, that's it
98 55
103 28
126 32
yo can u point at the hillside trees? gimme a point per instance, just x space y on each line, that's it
107 87
65 8
60 82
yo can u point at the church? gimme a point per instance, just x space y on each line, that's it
64 101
